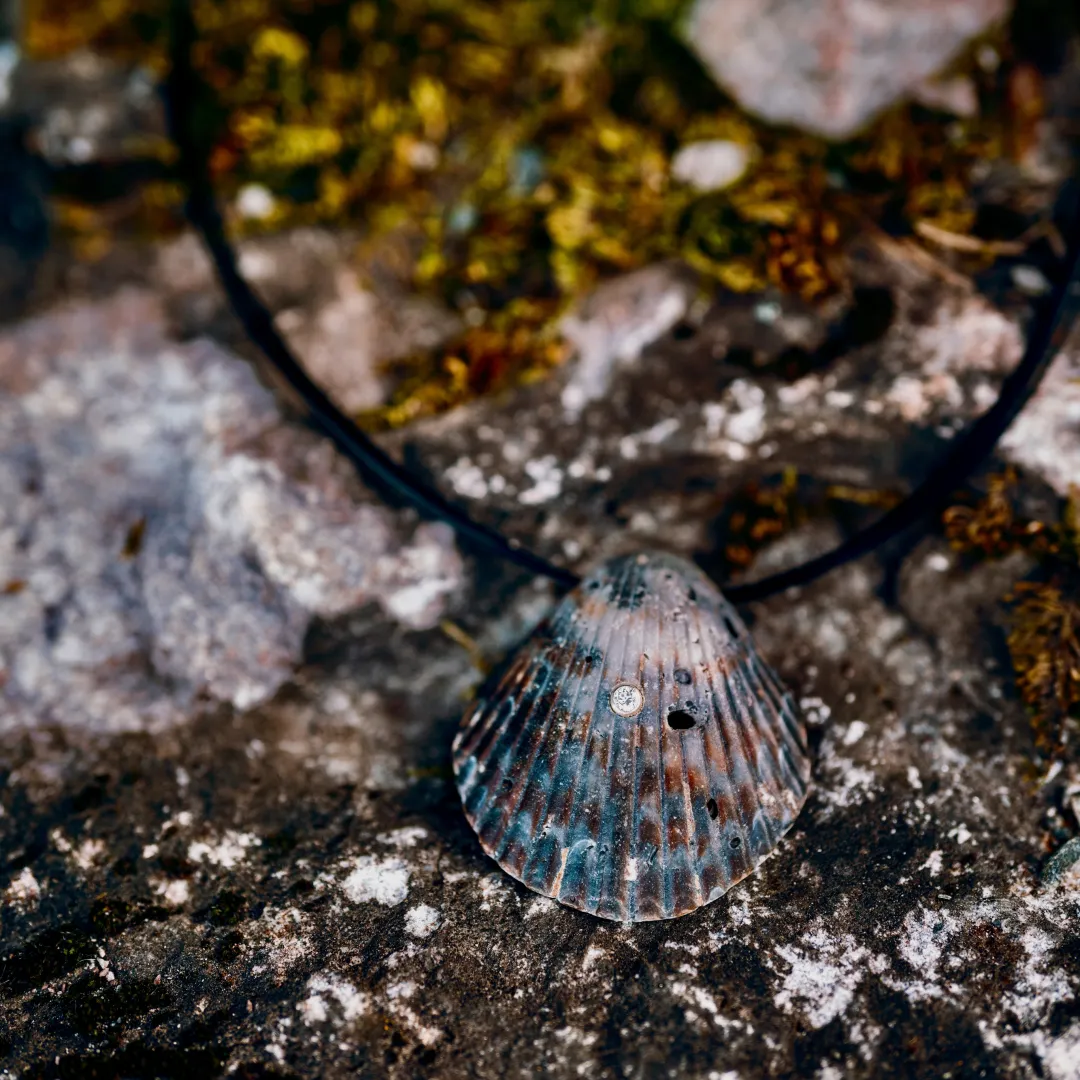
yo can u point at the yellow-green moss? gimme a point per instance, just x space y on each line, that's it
515 152
1044 610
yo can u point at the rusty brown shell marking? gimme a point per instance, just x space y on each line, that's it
638 758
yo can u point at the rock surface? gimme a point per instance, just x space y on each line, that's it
230 842
830 66
344 330
84 108
163 536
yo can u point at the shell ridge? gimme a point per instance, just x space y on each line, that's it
578 823
542 819
713 734
636 847
721 781
509 689
773 726
667 900
688 802
701 860
721 708
505 834
482 733
747 715
662 899
575 807
634 842
795 733
606 880
765 763
505 760
508 744
735 690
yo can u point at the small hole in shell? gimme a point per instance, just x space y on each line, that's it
680 720
682 676
736 842
714 810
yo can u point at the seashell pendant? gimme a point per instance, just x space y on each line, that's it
638 758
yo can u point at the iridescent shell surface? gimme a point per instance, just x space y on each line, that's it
638 758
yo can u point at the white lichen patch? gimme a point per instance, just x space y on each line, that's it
702 1003
397 1003
284 937
844 784
542 905
925 936
329 994
546 476
422 921
933 862
467 479
1061 1055
735 423
87 853
174 891
855 731
825 972
408 837
228 852
493 889
1040 980
24 891
386 881
593 954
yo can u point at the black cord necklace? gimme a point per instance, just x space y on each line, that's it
638 757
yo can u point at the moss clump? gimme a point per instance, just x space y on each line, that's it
511 154
1044 610
763 511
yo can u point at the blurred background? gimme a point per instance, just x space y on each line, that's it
495 162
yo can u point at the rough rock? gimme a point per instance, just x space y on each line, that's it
85 108
346 332
830 66
701 410
286 886
1046 436
617 321
162 535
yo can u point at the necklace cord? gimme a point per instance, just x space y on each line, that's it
383 474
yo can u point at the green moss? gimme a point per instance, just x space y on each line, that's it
506 156
1044 613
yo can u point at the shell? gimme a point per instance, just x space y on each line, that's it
637 758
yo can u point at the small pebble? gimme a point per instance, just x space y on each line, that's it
711 165
1030 280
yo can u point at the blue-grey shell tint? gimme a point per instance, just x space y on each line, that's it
638 758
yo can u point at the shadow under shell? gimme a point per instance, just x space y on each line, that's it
637 758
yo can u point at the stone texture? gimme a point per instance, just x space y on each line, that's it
830 66
684 423
162 535
347 332
1046 436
